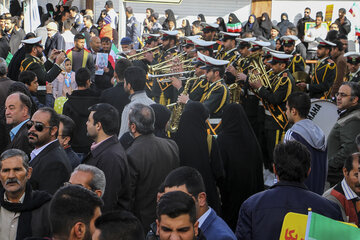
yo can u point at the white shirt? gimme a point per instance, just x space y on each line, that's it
314 33
37 151
203 217
114 18
69 39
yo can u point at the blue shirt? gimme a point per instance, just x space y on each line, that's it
15 129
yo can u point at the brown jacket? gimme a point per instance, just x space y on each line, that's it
341 73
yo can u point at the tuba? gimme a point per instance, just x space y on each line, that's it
257 70
177 109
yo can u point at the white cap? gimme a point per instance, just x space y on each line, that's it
352 54
170 33
231 34
260 43
209 25
202 43
32 40
280 57
246 39
289 39
325 43
268 50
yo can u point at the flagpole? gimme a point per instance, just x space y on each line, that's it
308 224
122 20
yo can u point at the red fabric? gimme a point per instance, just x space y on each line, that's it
106 31
348 206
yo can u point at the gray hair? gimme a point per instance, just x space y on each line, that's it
3 67
15 153
98 181
143 117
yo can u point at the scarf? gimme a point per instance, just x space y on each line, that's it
33 200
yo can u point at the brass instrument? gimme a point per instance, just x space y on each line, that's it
177 109
235 93
156 66
257 70
140 56
168 74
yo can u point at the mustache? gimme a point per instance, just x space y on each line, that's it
12 180
32 134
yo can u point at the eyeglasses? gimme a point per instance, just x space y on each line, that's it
342 95
306 12
38 126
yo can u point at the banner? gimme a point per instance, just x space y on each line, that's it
31 15
329 13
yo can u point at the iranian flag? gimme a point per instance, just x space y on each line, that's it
320 227
234 27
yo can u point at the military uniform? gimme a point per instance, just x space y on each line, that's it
45 72
216 98
297 64
324 75
274 101
353 77
163 92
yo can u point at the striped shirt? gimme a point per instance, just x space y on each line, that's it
349 193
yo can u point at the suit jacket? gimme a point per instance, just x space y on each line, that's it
5 83
116 96
21 141
51 168
214 228
150 160
110 157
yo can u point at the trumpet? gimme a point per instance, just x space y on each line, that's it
157 67
180 56
140 56
169 74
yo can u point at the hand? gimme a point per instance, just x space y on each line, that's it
176 82
301 85
132 52
106 69
183 99
49 87
241 77
54 53
60 58
255 84
231 70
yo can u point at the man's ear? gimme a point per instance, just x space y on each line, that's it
157 227
202 199
345 171
79 230
54 130
196 228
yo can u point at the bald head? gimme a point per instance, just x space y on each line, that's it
17 108
95 44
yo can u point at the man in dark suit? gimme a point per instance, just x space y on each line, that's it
261 216
117 96
5 82
108 155
150 159
51 167
17 113
190 181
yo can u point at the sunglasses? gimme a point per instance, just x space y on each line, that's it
38 126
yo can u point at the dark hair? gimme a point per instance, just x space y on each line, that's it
109 4
82 76
348 163
342 36
25 101
68 126
151 10
355 89
136 77
293 30
120 225
188 176
219 69
292 161
108 116
129 10
88 17
202 17
120 67
332 35
175 204
79 36
339 45
320 14
342 10
27 77
196 23
301 102
54 116
307 8
143 117
72 204
357 140
105 39
63 13
74 8
13 152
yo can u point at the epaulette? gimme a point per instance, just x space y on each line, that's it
329 60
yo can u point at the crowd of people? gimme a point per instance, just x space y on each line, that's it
201 131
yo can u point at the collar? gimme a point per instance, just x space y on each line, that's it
323 59
21 200
289 184
16 129
348 192
353 74
230 51
203 217
37 151
137 94
95 145
215 82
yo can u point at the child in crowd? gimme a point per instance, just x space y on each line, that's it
64 83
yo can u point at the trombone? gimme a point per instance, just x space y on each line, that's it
169 74
140 56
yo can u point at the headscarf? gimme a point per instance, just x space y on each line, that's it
222 25
187 28
171 17
266 25
234 18
162 116
202 17
251 25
